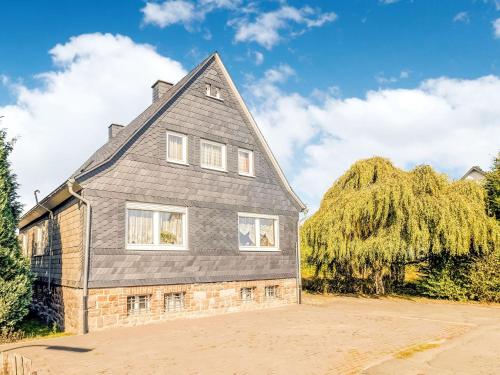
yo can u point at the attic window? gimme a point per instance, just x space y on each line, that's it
213 91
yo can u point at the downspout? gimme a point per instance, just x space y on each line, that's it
51 233
86 256
298 260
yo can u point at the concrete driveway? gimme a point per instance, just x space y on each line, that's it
325 335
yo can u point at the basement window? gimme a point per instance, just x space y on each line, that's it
138 304
174 301
271 292
246 294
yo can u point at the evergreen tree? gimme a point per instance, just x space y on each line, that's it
376 218
15 275
492 186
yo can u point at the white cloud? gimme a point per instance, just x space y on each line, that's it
383 80
183 12
98 79
496 28
259 58
448 123
266 27
170 12
461 17
387 2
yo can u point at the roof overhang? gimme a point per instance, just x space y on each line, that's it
54 199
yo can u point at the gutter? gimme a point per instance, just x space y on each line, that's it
84 312
298 259
51 233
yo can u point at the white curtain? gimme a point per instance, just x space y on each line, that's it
267 232
211 155
244 162
171 228
246 228
175 147
140 227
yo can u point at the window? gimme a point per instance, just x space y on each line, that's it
156 227
258 232
24 243
271 291
213 155
245 162
213 91
138 304
176 148
246 294
174 301
38 241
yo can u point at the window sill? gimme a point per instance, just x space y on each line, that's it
213 169
155 248
214 97
246 174
261 249
177 162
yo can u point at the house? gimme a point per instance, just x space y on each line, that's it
183 212
475 174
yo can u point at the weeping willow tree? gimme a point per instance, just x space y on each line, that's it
377 218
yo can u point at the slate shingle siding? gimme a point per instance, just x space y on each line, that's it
67 245
213 198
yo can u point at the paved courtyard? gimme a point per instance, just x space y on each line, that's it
325 335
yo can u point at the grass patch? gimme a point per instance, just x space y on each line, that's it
30 328
412 350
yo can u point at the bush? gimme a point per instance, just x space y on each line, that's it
15 275
484 278
462 278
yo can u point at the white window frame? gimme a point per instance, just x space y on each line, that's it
157 208
257 217
252 294
184 137
38 241
25 244
136 302
210 89
179 297
223 156
274 294
251 172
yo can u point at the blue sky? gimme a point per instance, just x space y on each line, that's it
315 60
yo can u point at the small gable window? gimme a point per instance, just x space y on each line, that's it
213 91
212 155
176 148
245 162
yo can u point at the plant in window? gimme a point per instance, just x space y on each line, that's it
168 237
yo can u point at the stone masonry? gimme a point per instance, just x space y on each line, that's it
108 306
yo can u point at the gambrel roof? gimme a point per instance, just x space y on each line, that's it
106 155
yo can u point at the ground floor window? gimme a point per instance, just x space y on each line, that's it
258 232
138 304
246 294
271 291
174 301
156 227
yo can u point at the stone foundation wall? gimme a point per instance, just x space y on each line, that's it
60 306
108 306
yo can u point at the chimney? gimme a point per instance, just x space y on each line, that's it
160 88
113 130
